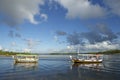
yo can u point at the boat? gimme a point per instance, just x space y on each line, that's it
87 58
22 58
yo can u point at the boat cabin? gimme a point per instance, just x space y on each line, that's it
19 58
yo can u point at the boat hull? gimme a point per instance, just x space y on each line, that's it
81 61
26 61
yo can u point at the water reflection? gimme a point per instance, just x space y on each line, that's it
25 66
92 72
95 66
59 69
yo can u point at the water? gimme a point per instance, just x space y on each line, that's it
60 68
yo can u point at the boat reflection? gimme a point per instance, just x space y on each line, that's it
26 66
87 71
95 66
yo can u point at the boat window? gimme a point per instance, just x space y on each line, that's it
31 57
21 57
80 57
100 57
85 57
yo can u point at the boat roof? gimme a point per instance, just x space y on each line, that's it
90 54
26 55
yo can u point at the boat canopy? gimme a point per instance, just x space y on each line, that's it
90 54
26 55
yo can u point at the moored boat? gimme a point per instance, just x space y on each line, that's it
22 58
87 58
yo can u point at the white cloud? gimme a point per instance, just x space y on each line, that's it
56 38
100 46
6 49
70 47
26 50
114 6
44 17
1 48
32 43
82 9
16 11
13 44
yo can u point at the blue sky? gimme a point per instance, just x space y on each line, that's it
44 26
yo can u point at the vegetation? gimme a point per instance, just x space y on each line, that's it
6 53
110 52
63 53
104 52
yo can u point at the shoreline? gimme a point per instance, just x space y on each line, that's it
4 53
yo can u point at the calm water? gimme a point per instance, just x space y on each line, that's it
60 68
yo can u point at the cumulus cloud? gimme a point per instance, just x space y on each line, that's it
26 50
6 49
118 33
82 9
59 36
87 9
44 17
70 47
1 48
99 33
14 12
61 33
73 39
113 5
99 46
31 43
13 34
13 44
105 45
56 38
100 37
18 35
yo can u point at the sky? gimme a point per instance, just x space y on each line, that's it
46 26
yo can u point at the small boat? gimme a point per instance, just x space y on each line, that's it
87 58
22 58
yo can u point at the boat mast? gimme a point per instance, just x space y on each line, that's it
78 50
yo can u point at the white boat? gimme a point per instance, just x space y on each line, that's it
22 58
87 58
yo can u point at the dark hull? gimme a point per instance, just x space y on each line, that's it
79 61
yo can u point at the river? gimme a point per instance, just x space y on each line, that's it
59 67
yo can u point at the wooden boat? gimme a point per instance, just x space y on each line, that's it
87 58
22 58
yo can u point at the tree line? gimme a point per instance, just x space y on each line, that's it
8 53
